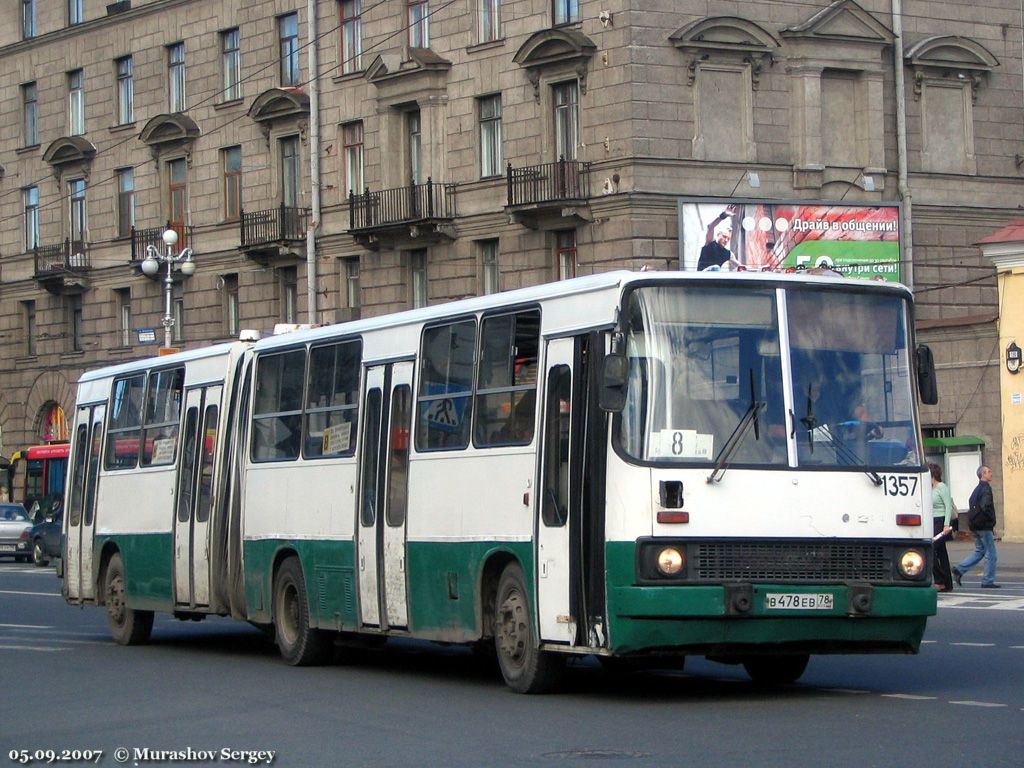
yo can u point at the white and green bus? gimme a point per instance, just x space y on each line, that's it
630 465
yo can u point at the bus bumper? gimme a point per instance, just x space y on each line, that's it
744 618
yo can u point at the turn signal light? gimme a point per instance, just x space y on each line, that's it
673 516
908 519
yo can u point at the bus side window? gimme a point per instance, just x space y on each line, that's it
507 380
125 422
277 413
444 400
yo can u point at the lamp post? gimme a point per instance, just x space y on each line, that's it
151 266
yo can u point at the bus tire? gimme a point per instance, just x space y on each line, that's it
525 667
300 644
776 670
128 626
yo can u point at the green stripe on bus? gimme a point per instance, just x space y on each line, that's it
148 567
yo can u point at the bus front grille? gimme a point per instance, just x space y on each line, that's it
790 561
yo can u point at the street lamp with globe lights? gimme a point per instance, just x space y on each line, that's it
151 266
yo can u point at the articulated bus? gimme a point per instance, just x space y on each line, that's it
637 466
45 468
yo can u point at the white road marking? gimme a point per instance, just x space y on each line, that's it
26 626
908 697
975 645
29 594
29 648
978 704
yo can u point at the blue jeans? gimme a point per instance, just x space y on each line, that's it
984 548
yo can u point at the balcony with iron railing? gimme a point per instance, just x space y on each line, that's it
416 213
549 191
142 238
273 234
62 268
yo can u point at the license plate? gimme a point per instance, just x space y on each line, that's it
7 548
798 601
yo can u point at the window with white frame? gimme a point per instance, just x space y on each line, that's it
75 12
490 136
351 35
231 315
567 119
178 311
418 277
125 201
123 301
352 149
565 252
414 143
350 275
28 19
176 77
30 114
289 284
30 200
76 102
288 37
125 91
491 276
231 65
489 27
291 174
419 23
76 196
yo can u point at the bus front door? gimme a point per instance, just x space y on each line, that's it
558 490
383 494
195 498
79 585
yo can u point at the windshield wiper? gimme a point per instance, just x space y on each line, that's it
847 454
748 420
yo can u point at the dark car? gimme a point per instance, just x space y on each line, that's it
44 540
13 521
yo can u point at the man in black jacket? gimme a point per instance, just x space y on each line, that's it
981 517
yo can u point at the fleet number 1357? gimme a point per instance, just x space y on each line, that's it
899 485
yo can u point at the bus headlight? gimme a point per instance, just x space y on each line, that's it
670 561
911 564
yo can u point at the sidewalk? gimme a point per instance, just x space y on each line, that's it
1010 557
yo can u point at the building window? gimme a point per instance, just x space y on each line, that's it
178 312
76 102
123 300
567 119
566 253
289 295
30 199
177 194
28 19
125 91
351 36
232 163
231 317
176 77
414 143
290 171
419 24
30 112
28 322
490 20
231 65
76 196
490 136
75 12
74 319
565 11
352 141
418 277
288 34
489 266
125 201
350 274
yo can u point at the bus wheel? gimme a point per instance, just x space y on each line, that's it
127 625
525 667
300 645
776 670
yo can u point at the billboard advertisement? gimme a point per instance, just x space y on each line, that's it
855 240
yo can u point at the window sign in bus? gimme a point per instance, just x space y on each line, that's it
446 385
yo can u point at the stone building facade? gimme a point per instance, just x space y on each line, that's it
387 154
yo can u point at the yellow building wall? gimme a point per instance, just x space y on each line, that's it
1011 388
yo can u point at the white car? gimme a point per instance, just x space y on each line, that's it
14 521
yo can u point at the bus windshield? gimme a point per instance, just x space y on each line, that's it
703 359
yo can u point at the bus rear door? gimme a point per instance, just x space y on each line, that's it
195 498
79 585
383 494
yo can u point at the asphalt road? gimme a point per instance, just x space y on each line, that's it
217 688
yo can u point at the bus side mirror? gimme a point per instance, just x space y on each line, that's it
927 386
614 375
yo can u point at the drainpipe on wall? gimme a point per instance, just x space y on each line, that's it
314 162
901 145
